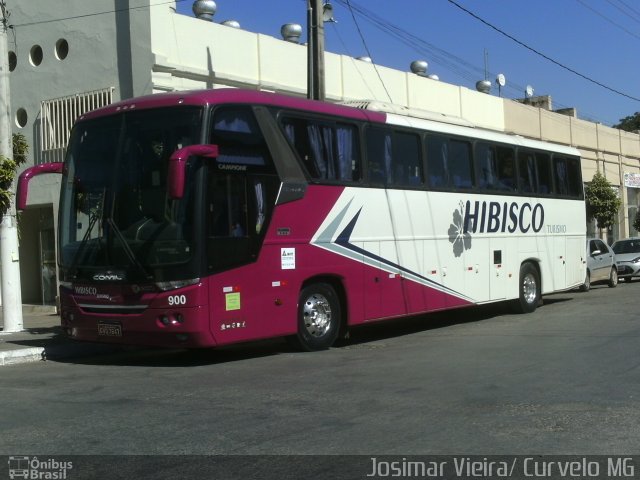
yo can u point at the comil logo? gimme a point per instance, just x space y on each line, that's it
109 277
36 469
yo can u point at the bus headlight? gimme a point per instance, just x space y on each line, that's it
172 285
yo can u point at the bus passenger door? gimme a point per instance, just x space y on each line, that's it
559 263
576 261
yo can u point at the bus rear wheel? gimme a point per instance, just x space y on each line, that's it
319 317
529 288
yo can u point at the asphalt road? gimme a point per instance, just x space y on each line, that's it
563 380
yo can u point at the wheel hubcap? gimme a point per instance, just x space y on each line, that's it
529 288
316 315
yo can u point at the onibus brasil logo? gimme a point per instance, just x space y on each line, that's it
33 468
492 217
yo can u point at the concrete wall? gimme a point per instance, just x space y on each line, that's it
104 50
198 56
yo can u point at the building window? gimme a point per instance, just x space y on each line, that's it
62 49
21 118
35 55
13 61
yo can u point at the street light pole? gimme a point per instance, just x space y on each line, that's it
11 294
315 50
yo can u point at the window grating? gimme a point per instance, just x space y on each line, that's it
58 115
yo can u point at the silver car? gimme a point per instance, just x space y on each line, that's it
601 264
628 258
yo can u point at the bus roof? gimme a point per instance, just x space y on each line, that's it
480 134
235 96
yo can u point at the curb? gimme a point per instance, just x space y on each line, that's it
54 352
22 355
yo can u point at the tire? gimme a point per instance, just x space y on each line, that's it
319 317
613 277
529 289
586 286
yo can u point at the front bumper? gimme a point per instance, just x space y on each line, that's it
627 270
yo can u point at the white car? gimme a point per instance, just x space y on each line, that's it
628 258
601 264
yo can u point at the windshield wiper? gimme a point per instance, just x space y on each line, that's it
127 250
83 243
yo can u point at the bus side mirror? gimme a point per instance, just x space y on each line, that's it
26 176
178 164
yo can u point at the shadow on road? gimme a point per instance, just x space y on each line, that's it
359 336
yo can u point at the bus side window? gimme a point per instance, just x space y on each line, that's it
486 165
543 164
574 177
460 168
407 159
527 175
560 176
437 161
506 169
379 156
328 151
239 138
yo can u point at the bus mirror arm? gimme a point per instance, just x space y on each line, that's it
178 164
26 176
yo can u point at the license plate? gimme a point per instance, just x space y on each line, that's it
109 329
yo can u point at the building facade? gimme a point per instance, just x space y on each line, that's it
70 57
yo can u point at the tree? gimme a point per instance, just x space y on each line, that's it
602 201
8 168
630 123
636 221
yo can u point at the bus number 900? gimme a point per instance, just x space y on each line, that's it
177 300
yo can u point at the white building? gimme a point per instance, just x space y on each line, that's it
73 56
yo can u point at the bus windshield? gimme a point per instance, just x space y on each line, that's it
115 211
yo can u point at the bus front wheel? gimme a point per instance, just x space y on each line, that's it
529 288
319 317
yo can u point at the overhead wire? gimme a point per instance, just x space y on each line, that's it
609 20
336 31
627 10
117 10
366 47
446 59
546 57
438 56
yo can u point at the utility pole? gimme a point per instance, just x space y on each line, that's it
11 294
315 50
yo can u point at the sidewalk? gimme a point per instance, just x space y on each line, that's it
42 339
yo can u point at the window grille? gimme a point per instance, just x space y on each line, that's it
58 115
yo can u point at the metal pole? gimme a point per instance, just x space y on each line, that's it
11 293
315 51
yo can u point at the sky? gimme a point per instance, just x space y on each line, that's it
592 47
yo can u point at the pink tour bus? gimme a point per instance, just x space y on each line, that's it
198 219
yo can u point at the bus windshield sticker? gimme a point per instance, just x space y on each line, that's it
232 301
288 258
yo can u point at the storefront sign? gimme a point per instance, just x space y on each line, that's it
632 180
